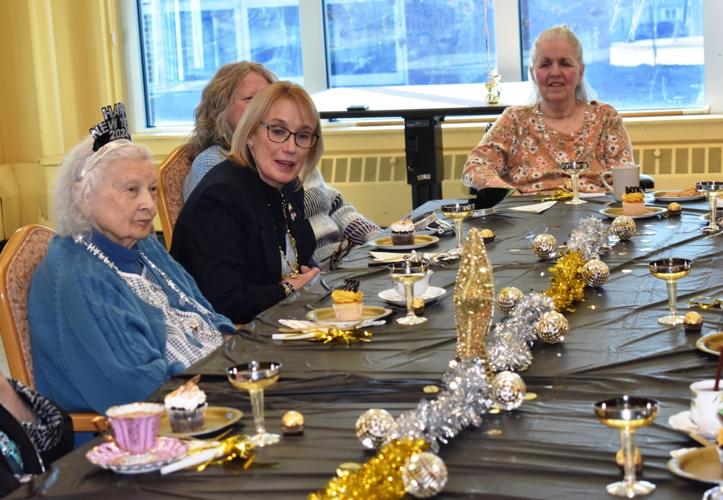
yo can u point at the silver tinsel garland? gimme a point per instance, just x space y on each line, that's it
590 238
465 397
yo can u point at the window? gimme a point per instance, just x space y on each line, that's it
639 54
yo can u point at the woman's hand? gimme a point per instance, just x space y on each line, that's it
307 274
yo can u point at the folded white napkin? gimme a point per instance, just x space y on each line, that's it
536 208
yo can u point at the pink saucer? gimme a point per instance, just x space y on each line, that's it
109 456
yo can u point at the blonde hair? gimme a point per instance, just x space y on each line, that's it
563 32
211 116
73 187
257 110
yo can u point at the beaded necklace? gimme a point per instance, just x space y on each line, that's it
291 242
581 144
184 299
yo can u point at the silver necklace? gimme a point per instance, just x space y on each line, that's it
184 298
581 147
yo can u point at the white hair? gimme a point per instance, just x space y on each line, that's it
582 91
73 188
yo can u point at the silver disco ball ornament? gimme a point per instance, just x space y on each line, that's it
595 273
508 390
507 298
424 475
373 426
544 246
623 227
552 327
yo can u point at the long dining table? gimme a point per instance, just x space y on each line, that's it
552 446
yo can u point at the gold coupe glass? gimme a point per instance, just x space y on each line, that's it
408 272
457 212
573 169
627 414
671 270
711 190
255 376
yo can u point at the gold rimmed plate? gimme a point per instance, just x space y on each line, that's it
613 212
710 343
215 419
676 195
325 316
420 241
700 464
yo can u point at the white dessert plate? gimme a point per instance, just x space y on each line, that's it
420 241
683 422
671 195
109 456
325 316
701 464
613 212
710 343
215 419
431 294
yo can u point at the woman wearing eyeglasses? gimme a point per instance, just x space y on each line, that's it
243 233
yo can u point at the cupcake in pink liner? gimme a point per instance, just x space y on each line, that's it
186 407
135 426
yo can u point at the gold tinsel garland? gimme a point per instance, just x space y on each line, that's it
567 285
379 478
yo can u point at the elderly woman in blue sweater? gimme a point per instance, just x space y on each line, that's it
112 315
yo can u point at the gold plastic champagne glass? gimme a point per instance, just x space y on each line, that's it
255 376
627 414
711 189
408 272
573 169
671 270
457 212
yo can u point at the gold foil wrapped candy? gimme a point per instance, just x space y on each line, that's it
507 298
623 227
544 245
292 423
692 322
424 475
674 208
552 327
595 273
373 426
508 390
487 235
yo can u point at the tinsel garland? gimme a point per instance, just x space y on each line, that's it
590 238
567 285
379 478
461 403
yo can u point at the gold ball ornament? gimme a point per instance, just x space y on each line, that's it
373 426
424 475
552 327
595 273
507 298
623 227
674 208
692 322
544 245
292 423
508 390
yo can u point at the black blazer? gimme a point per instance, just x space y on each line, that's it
227 237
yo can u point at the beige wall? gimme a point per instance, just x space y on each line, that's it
59 67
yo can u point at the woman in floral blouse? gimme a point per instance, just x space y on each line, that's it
525 146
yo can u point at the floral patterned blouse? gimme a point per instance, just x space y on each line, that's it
521 152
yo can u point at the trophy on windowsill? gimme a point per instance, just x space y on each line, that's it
493 87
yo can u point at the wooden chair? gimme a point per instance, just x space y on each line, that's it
18 261
171 175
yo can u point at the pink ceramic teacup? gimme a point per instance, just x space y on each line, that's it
135 425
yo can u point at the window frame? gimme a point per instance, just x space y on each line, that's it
507 38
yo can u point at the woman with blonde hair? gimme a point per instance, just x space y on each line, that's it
525 146
243 233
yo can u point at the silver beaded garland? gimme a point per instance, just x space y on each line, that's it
552 327
544 245
595 273
508 390
424 475
507 298
372 427
623 226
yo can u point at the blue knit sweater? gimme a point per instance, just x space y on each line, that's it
94 342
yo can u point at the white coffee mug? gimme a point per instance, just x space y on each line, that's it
623 176
704 403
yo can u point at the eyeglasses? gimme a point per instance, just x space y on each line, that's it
279 135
